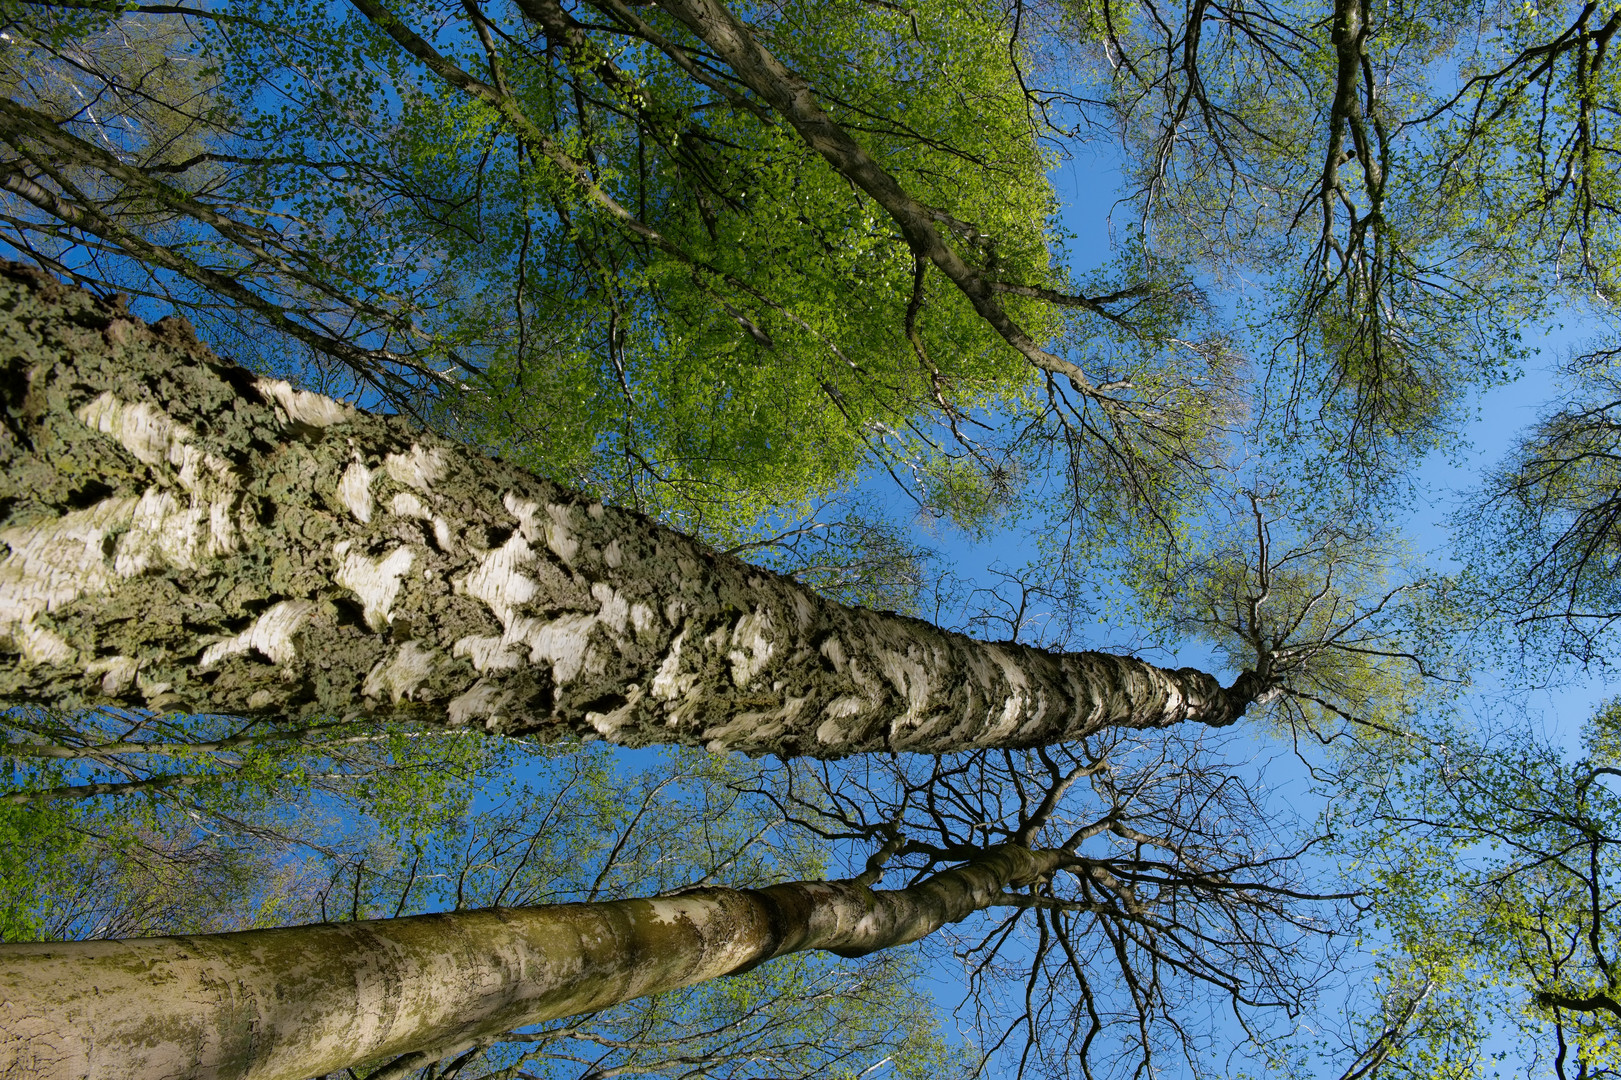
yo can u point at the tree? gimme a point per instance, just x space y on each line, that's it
1404 225
1168 868
1172 866
183 536
291 1001
571 824
591 826
598 239
304 557
1542 531
1493 866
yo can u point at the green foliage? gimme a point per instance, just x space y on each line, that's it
1381 266
1540 538
630 279
802 1015
756 369
34 850
631 275
125 868
1493 878
129 824
1534 120
51 60
751 359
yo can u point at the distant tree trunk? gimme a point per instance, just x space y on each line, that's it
181 535
304 1001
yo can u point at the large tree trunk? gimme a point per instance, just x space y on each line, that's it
180 535
304 1001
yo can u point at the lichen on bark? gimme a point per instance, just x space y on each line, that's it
182 535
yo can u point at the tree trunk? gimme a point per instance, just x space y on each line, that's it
181 535
304 1001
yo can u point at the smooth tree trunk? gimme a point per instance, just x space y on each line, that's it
305 1001
181 535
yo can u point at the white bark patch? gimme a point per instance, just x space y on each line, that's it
375 581
608 724
304 406
839 708
143 430
834 730
909 677
671 910
161 533
271 635
615 611
526 513
803 610
1014 706
560 532
354 490
750 650
484 704
833 649
154 438
830 733
563 642
756 727
668 682
641 617
54 562
612 555
402 674
419 469
406 504
488 653
117 673
39 645
498 582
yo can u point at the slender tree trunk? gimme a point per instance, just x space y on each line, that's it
304 1001
180 535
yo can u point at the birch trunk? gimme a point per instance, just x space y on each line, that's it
305 1001
181 535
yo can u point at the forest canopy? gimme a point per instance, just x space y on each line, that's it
800 282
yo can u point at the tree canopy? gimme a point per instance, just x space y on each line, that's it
763 274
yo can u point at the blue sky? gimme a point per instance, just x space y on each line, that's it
1087 186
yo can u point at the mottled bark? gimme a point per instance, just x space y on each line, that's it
180 535
303 1001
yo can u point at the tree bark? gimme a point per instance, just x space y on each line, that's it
181 535
305 1001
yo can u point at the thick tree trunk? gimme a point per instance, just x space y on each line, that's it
304 1001
180 535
